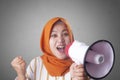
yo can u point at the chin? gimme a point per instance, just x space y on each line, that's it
62 57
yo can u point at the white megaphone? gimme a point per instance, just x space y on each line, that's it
98 59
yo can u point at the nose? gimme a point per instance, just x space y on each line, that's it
61 39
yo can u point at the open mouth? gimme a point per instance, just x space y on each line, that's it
61 49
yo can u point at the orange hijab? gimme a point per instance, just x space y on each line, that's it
54 66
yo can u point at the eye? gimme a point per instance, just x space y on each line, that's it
53 35
65 34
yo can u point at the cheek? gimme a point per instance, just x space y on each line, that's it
67 40
52 43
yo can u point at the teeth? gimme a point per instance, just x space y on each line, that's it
61 49
60 46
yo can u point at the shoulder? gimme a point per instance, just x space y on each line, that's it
35 62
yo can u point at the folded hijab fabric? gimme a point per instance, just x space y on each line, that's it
54 66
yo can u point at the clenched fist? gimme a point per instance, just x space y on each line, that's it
20 66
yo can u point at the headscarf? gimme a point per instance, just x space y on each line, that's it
54 66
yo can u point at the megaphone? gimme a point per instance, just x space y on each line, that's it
98 58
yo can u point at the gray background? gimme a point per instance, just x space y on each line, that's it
21 23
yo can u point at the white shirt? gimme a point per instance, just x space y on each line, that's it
37 71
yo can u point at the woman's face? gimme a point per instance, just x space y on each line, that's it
59 38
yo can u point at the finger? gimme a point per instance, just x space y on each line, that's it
21 61
79 74
80 66
77 66
73 66
17 61
78 78
20 57
80 70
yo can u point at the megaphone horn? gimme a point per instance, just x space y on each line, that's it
98 59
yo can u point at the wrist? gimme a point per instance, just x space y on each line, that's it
21 77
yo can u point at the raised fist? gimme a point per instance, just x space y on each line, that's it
19 65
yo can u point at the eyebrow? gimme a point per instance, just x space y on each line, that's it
62 30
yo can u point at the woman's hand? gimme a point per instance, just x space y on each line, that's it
77 72
20 67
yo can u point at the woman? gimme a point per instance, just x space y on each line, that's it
53 64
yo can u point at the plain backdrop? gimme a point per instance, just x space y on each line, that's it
21 23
